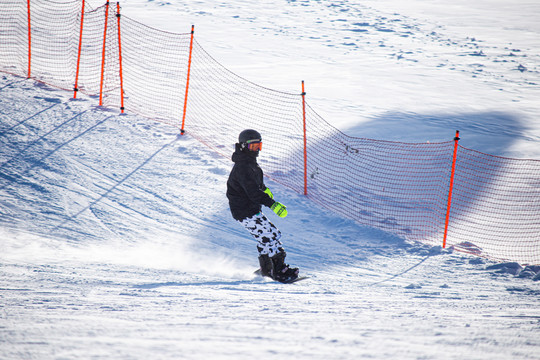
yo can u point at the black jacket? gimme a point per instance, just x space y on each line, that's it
245 187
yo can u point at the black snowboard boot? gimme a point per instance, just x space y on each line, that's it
267 266
282 271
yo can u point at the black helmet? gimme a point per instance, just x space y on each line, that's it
247 135
250 140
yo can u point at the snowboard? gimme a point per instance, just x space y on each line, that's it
300 278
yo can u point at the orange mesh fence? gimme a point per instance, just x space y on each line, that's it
86 78
14 37
397 187
401 188
221 104
496 207
154 65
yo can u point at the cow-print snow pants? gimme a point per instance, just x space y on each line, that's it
266 234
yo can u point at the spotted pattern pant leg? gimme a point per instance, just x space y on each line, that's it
266 234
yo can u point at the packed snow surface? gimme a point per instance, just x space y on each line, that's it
116 241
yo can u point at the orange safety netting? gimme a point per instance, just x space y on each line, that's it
401 188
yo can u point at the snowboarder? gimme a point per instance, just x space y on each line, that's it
247 193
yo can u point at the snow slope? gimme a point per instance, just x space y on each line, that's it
117 242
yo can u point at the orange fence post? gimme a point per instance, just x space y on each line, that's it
182 131
103 53
456 140
120 59
76 87
29 40
305 137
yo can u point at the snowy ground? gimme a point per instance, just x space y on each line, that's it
116 239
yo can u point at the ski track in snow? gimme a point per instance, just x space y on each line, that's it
116 239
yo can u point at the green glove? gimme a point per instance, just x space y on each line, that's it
279 209
269 193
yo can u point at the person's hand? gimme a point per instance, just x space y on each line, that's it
269 193
279 209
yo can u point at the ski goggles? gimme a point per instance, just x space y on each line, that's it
254 145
